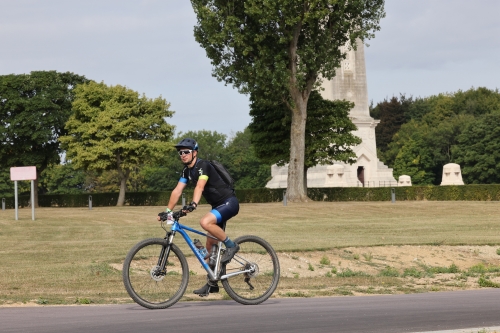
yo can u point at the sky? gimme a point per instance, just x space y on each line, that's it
424 47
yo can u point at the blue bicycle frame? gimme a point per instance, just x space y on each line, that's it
177 227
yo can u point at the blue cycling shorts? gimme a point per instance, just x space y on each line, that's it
225 211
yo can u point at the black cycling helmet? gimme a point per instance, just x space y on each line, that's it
187 143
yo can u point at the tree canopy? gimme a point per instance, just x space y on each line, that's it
478 150
34 109
242 163
277 50
64 179
392 114
114 128
435 132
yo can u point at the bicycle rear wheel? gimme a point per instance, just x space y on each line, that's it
146 283
252 288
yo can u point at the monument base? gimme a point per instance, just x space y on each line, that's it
339 175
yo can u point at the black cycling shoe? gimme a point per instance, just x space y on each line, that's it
206 290
229 254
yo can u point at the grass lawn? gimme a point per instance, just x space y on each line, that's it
70 255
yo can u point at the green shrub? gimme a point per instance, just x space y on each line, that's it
324 261
413 272
485 282
350 273
442 270
389 271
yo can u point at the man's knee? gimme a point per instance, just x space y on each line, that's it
207 221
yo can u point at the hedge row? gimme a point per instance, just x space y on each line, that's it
415 193
260 195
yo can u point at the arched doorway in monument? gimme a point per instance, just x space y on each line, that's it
363 170
361 175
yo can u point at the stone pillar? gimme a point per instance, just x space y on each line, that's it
452 175
335 176
404 180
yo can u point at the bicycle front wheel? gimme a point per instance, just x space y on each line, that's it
259 258
145 281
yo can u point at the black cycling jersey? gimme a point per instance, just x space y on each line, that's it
216 191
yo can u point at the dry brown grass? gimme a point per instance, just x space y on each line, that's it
73 255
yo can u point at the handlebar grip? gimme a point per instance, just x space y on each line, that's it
163 216
175 215
178 215
189 208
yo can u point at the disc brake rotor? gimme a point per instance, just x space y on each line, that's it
254 270
156 273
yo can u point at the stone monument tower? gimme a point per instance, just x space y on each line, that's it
349 84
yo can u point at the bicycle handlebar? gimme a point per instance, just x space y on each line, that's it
176 215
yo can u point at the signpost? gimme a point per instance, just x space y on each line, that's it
24 173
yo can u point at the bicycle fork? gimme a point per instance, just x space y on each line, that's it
164 253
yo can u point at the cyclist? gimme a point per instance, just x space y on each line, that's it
220 196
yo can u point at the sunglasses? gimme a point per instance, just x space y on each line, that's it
184 152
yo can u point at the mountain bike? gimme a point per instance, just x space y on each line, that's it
156 272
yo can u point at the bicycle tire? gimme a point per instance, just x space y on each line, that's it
142 281
253 251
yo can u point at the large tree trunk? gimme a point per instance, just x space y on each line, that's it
35 185
124 174
123 189
296 189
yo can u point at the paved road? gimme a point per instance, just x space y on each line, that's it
391 313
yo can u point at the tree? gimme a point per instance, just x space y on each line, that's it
33 111
6 186
242 163
441 139
113 128
478 150
436 124
476 102
64 179
392 115
162 177
328 133
414 160
277 50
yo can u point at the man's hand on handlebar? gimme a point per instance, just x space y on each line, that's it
164 216
169 215
188 209
172 216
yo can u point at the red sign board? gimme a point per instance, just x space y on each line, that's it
23 173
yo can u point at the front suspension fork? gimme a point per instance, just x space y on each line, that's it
165 251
